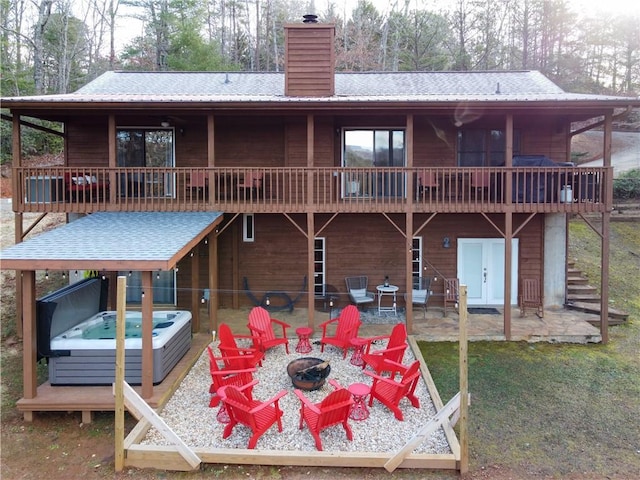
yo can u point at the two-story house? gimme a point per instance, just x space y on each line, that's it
296 180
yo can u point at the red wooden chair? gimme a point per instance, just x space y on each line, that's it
480 184
233 356
256 415
394 350
334 409
221 377
198 185
261 325
530 296
390 392
347 326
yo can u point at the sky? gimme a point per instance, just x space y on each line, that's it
128 29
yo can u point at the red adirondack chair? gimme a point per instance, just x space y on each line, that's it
394 350
221 377
334 409
390 392
261 325
249 357
256 415
347 326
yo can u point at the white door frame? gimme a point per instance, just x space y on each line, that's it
480 263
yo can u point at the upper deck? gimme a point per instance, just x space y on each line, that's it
318 190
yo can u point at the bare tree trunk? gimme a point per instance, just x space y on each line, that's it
44 13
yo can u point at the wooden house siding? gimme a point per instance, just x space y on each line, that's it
87 142
363 244
309 60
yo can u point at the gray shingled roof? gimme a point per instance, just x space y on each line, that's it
247 87
156 238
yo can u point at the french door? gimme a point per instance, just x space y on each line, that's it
481 268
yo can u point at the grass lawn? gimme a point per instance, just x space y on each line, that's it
559 410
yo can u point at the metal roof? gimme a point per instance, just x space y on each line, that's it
361 87
112 240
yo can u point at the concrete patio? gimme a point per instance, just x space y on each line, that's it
557 326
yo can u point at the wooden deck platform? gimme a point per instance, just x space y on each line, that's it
89 399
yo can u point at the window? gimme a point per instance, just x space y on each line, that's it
140 148
319 273
416 263
484 148
248 227
373 148
163 283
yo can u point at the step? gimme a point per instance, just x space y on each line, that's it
577 280
584 297
582 289
615 315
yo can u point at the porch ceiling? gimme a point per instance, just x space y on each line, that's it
112 241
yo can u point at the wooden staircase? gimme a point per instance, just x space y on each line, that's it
584 298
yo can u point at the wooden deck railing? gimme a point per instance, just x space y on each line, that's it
530 189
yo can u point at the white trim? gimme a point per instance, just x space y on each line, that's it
248 227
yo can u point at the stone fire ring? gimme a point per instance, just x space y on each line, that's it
307 381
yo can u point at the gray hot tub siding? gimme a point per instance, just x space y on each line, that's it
97 367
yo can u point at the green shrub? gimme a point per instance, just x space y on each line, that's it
627 185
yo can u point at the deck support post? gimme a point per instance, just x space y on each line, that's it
29 340
147 335
606 216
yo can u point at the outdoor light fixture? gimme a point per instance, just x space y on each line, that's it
165 124
386 280
446 242
267 301
202 299
130 272
158 275
142 294
64 275
46 274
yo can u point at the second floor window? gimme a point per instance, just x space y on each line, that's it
484 148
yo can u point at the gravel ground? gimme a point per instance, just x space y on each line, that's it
189 416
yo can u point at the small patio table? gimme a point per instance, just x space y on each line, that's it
303 339
359 410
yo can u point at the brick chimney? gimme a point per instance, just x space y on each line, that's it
309 59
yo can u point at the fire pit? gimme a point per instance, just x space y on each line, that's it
308 373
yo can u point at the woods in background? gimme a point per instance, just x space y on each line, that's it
56 46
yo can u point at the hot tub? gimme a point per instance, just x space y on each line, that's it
85 353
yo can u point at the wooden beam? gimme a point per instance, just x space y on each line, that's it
29 338
135 402
196 294
121 310
147 334
113 158
431 426
464 380
26 123
311 299
508 252
408 267
214 284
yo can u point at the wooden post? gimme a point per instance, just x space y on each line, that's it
121 309
214 282
196 293
464 383
147 335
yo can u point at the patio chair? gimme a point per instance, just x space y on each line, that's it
531 297
480 182
390 392
427 182
357 288
198 185
393 351
221 376
248 357
451 292
333 410
256 415
420 293
261 325
347 326
251 183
